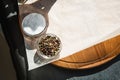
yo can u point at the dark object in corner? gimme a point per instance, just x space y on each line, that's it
10 25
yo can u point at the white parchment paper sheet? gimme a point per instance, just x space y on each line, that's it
81 24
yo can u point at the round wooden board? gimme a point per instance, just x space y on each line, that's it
93 56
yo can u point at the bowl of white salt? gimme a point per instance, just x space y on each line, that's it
34 24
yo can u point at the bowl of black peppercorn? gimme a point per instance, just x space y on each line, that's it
48 46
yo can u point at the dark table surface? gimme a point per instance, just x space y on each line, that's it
108 71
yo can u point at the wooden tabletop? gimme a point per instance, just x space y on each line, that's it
93 56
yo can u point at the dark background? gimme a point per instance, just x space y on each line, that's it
108 71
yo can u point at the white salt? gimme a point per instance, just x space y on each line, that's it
33 23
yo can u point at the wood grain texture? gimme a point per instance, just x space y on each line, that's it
93 56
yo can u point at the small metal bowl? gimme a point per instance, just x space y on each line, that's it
48 46
34 25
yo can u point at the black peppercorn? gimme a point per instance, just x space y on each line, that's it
49 45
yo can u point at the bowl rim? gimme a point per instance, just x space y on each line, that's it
42 32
